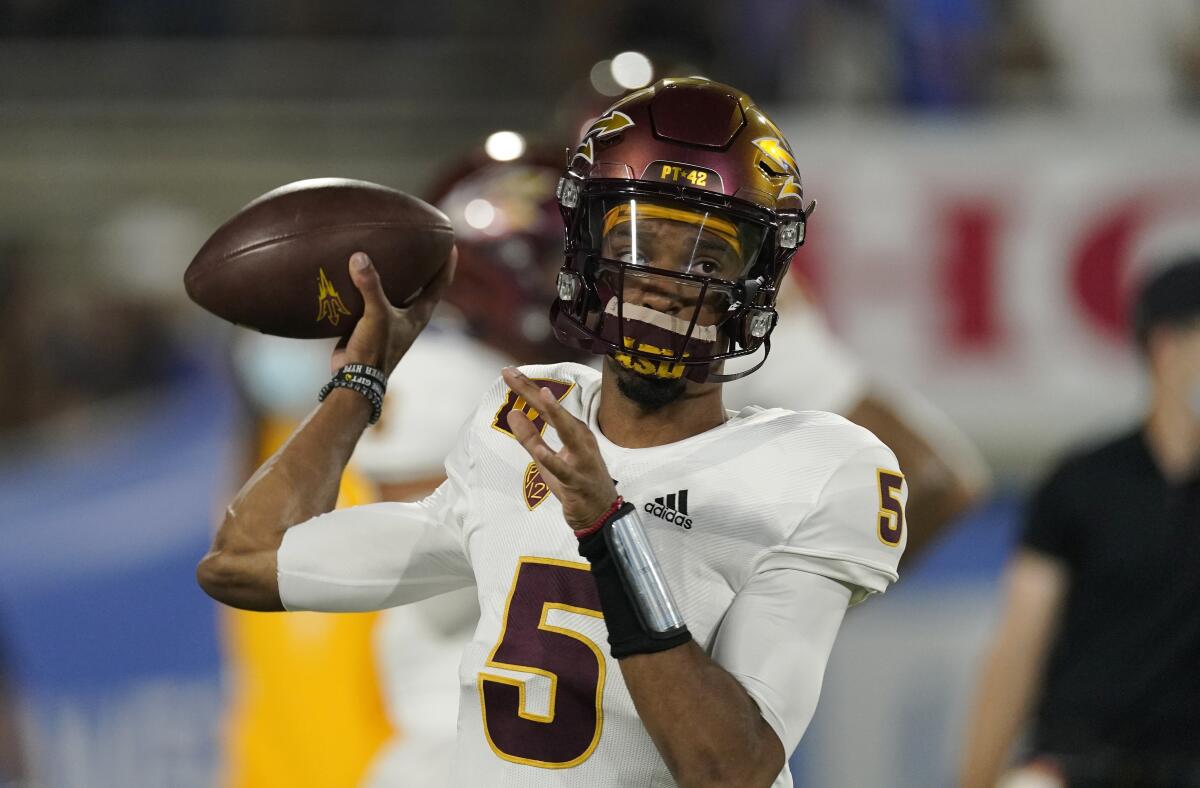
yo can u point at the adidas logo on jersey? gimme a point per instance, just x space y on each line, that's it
672 508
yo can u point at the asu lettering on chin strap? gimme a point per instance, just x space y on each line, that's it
658 333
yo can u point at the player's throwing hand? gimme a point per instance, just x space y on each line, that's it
576 473
385 333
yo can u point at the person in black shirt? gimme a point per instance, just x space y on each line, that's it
1100 637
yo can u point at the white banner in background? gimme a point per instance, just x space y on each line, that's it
987 264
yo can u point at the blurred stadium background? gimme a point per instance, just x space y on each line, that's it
991 176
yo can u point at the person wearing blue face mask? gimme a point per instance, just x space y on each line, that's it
1100 638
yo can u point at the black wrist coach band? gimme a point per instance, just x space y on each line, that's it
626 634
368 381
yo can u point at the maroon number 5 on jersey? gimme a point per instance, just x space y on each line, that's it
568 734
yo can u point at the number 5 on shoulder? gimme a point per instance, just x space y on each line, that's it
891 511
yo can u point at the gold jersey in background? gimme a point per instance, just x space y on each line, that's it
304 703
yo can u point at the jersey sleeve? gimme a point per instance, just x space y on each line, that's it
384 554
855 533
776 639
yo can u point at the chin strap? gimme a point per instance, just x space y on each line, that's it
712 376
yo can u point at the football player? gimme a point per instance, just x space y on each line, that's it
509 232
616 645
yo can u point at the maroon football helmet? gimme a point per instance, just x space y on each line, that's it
683 206
509 234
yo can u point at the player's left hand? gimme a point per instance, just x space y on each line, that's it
576 473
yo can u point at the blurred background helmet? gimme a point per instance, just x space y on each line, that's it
509 234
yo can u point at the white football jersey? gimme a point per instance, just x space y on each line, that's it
768 494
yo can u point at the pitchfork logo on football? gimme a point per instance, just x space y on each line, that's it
673 508
329 303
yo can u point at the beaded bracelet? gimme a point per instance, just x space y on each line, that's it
366 380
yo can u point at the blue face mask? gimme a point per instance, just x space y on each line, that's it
282 376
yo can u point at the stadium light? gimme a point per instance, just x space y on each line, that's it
602 79
504 145
632 70
479 213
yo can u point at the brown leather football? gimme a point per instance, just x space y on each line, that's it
280 264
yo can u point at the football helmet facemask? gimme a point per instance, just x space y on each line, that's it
683 206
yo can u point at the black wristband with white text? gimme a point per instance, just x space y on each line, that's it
367 381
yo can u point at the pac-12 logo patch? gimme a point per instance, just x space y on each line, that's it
535 487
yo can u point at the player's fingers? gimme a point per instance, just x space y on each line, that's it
366 279
574 433
528 390
557 471
531 440
526 434
520 384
